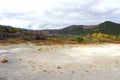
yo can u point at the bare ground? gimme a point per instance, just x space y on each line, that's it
60 62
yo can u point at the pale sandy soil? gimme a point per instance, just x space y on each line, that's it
60 62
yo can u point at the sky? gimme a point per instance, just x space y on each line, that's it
55 14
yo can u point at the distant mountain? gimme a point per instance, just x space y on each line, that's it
8 32
107 27
4 28
9 29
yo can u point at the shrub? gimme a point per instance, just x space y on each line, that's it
86 39
80 39
95 40
113 37
12 41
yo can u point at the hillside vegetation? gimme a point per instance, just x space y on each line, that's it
104 32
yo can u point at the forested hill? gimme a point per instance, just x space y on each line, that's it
107 27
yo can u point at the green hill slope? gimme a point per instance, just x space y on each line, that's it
108 28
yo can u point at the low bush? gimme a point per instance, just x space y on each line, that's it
80 39
95 40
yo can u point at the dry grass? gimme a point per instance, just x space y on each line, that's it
50 42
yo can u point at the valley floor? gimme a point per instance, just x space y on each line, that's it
60 62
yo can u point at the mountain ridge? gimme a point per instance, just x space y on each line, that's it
107 27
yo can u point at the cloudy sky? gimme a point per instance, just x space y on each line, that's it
48 14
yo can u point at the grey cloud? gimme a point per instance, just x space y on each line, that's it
21 16
88 12
69 12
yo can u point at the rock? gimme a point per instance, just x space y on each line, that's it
39 49
44 70
86 71
20 59
58 67
4 60
73 72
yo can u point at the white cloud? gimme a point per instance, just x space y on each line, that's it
43 14
104 6
25 6
15 22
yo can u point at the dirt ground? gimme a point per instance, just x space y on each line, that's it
60 62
